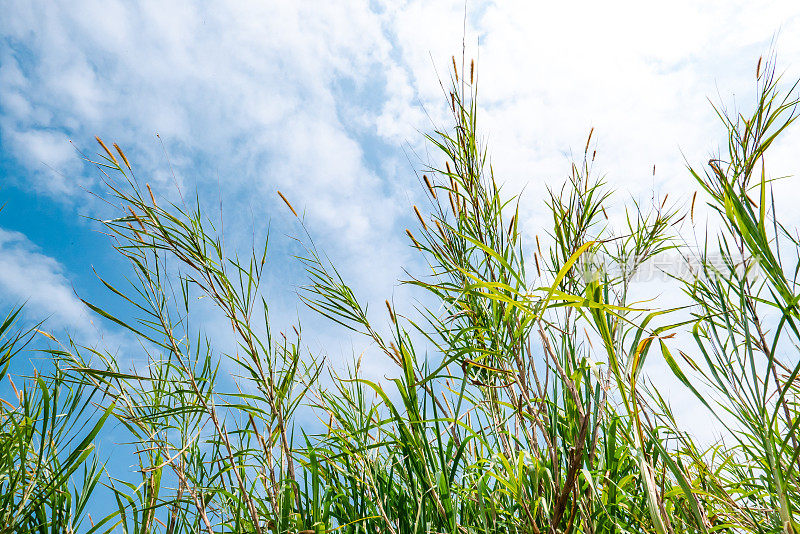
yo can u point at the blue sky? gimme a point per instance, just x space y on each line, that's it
328 102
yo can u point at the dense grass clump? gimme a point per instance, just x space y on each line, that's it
517 404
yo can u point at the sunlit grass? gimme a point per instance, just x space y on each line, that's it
517 403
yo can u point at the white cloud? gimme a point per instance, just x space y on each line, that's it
301 96
252 90
29 276
259 84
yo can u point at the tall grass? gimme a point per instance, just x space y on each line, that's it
518 401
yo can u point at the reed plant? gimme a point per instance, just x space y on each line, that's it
518 401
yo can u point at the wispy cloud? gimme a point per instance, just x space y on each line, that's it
29 276
323 100
248 98
299 96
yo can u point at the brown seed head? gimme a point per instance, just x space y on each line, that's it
452 203
14 387
419 216
430 187
395 354
441 231
287 203
416 244
588 140
121 153
152 196
110 155
138 220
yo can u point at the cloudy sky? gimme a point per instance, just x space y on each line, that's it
329 102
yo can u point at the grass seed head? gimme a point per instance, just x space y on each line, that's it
110 155
287 203
122 154
442 232
452 203
136 217
419 216
416 244
395 354
430 187
588 140
14 387
152 196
